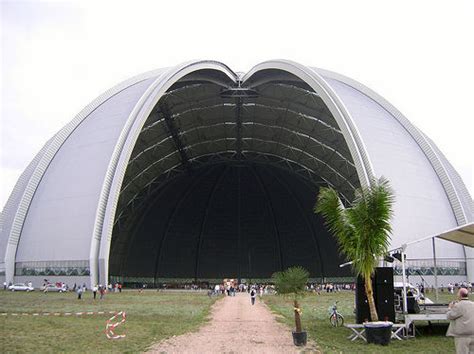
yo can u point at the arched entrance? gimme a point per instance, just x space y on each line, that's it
223 178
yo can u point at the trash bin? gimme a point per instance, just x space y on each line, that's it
378 332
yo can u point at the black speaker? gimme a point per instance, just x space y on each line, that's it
384 275
382 284
362 305
384 294
385 303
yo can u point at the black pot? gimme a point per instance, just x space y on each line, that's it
299 338
378 332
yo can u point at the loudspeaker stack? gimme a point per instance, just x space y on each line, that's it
382 284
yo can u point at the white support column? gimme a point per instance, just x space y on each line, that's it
404 280
433 240
10 263
469 251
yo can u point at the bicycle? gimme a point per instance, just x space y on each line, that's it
336 319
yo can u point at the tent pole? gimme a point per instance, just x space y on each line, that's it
435 269
404 281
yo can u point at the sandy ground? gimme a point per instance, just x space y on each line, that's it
236 327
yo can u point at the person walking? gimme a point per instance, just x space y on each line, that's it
94 290
79 292
461 326
102 291
253 295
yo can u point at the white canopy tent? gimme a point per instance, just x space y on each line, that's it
463 235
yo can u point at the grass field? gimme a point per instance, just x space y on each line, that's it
151 316
315 320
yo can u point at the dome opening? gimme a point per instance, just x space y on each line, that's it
208 153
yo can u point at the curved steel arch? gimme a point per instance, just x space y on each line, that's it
333 103
269 142
100 245
299 114
258 105
251 123
183 133
290 162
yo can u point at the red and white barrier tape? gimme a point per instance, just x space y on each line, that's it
58 313
110 326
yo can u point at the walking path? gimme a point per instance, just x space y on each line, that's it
235 327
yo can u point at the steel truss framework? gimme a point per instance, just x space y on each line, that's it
286 125
194 125
140 199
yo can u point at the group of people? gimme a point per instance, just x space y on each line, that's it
231 288
330 287
101 289
452 286
221 289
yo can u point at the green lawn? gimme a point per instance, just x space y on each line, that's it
151 316
334 340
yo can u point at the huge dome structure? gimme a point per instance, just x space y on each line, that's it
199 172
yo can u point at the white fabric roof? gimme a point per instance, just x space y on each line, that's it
463 235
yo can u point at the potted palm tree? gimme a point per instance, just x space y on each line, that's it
363 234
292 282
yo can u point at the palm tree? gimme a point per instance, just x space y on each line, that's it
292 282
362 230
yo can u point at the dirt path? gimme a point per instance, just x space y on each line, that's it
235 327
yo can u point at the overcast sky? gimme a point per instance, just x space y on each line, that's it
56 57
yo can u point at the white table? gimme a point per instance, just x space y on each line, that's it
358 331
